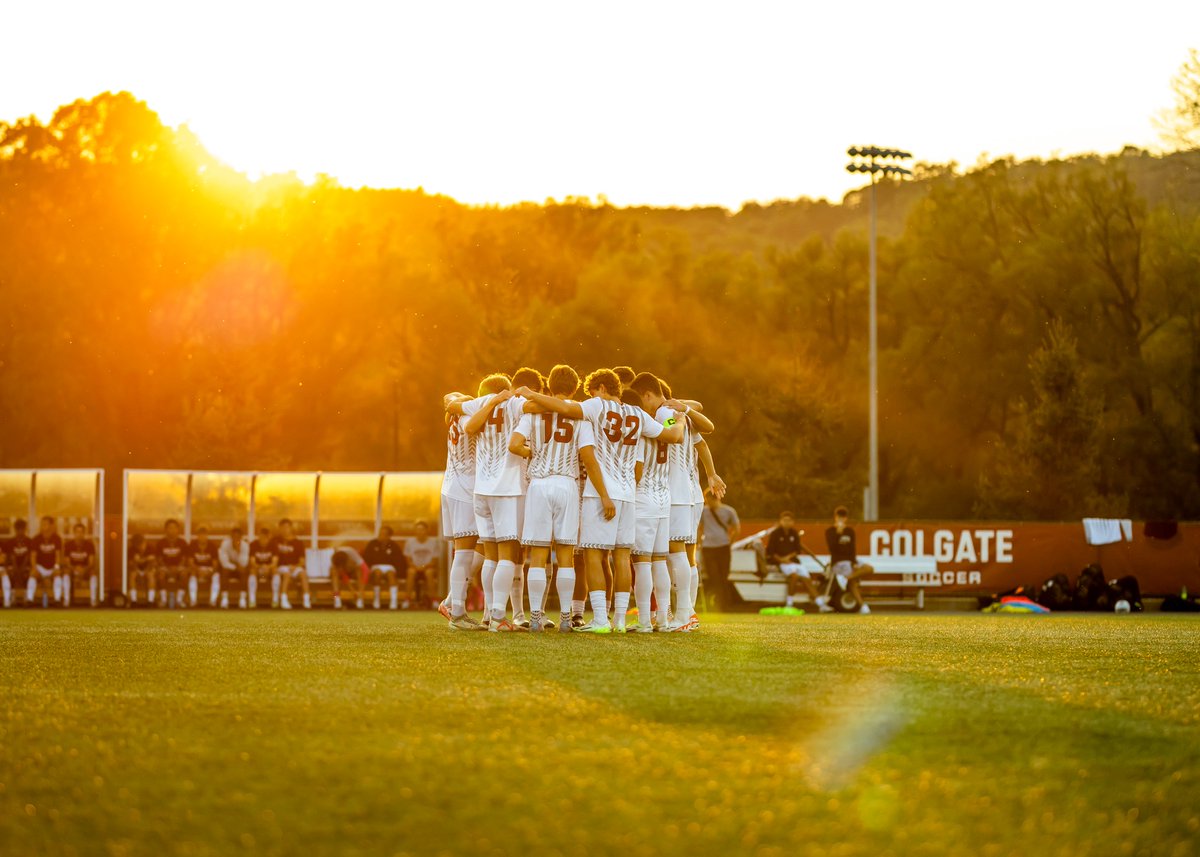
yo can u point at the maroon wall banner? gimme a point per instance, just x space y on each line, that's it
988 557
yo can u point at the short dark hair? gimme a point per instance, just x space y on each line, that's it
625 374
386 529
47 519
264 529
841 512
564 381
424 524
526 377
629 397
78 527
666 388
285 522
169 522
237 531
606 378
646 383
786 514
20 525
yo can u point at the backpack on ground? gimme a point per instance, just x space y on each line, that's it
1126 589
1091 590
1057 593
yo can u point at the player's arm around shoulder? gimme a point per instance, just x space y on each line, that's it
518 445
479 419
542 403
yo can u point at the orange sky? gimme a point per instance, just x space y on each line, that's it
660 103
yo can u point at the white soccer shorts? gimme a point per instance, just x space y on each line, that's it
681 528
292 571
45 572
790 568
596 532
458 519
653 537
551 512
383 569
498 518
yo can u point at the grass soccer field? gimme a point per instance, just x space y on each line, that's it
216 733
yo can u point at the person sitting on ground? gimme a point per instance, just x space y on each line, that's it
843 556
783 549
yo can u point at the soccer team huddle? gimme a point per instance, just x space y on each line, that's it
599 497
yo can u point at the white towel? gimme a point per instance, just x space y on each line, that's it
1107 531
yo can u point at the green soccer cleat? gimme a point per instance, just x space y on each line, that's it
595 627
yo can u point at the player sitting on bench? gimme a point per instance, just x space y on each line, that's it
783 549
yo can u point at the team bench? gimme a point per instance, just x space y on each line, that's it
902 580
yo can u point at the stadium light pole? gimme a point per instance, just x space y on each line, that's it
873 160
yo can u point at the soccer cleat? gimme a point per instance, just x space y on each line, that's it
595 627
444 609
536 621
498 625
619 628
643 628
694 623
520 623
285 603
465 623
864 610
577 621
358 604
564 623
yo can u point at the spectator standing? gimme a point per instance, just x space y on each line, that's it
719 526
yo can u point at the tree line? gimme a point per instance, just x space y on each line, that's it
1039 321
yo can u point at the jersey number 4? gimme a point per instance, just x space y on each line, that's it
613 430
497 420
563 433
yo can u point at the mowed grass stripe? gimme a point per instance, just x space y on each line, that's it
206 733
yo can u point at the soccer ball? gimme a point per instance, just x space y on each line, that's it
1121 606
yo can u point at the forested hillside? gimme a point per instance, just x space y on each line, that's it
1039 327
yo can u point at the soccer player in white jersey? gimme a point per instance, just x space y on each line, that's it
609 523
651 577
498 493
533 379
458 502
553 444
683 521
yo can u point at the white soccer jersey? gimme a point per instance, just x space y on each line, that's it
654 489
617 428
498 471
681 458
555 441
697 491
459 479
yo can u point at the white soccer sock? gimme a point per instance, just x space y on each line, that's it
681 580
537 588
662 590
502 582
57 588
224 599
460 567
337 602
475 572
394 593
133 596
252 588
94 589
486 576
276 585
193 590
577 607
307 600
694 588
599 606
214 590
643 589
377 597
620 607
518 592
6 585
566 588
152 596
31 588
